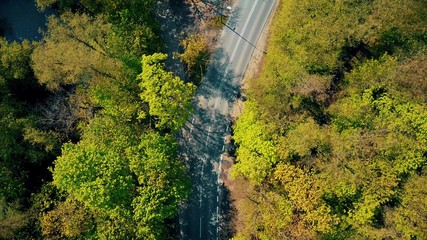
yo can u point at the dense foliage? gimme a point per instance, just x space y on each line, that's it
26 147
87 123
195 56
334 134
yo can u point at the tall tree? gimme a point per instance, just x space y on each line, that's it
133 30
132 182
75 51
168 97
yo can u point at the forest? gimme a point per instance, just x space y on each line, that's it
87 122
332 143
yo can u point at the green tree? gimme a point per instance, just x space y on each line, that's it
409 219
11 219
133 30
162 185
26 147
74 51
195 56
68 220
132 181
14 59
20 150
168 97
257 153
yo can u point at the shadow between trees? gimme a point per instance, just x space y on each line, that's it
227 215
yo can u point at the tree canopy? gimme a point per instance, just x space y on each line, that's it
87 122
168 97
334 133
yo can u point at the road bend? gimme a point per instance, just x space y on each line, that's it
202 138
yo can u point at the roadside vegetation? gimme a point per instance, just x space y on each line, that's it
87 123
196 56
332 142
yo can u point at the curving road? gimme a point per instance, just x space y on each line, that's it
202 140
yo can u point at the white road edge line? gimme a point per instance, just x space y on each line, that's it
200 233
219 173
240 38
207 138
200 195
262 29
191 129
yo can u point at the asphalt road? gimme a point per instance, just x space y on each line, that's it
202 140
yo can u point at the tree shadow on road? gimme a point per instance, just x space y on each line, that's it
220 81
176 22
